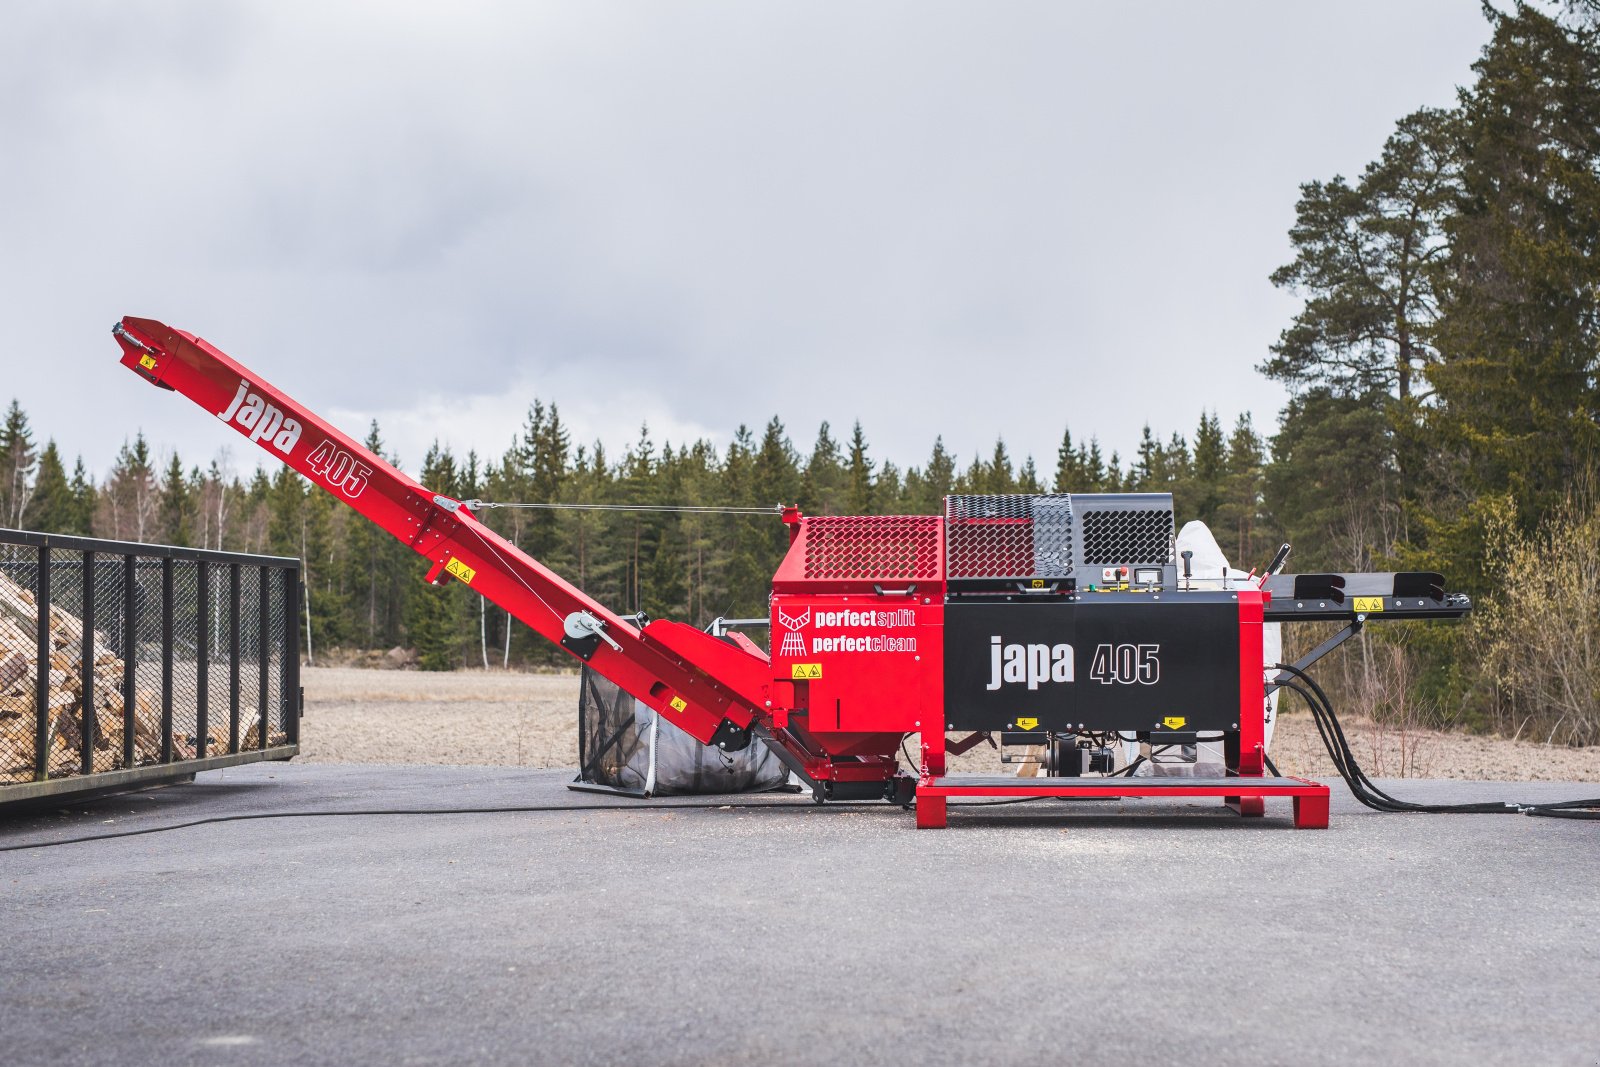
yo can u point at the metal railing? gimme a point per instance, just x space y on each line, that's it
123 663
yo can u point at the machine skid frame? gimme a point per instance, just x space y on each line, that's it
1249 794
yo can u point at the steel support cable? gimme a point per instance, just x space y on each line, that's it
1362 787
692 509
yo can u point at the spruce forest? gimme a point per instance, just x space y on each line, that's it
1443 415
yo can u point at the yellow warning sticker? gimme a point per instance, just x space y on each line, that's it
1175 722
677 703
460 571
805 672
147 362
1369 604
1026 723
1038 583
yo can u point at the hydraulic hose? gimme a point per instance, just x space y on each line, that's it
1363 789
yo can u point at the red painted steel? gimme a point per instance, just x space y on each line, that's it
1252 684
1310 798
652 664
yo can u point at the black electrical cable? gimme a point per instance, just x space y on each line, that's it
1127 772
517 809
1363 789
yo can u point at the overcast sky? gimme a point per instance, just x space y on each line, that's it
973 219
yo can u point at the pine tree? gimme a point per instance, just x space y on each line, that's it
859 494
436 614
174 517
52 508
1205 492
84 498
1071 477
1238 517
1332 473
1096 478
1515 410
889 491
18 459
934 481
383 579
997 474
1147 468
1028 477
127 506
1368 258
824 485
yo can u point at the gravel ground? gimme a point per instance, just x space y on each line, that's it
496 718
479 718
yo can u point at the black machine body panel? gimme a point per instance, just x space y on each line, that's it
1130 662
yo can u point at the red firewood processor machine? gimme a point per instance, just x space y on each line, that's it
1059 621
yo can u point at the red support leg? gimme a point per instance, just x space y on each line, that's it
1311 813
1249 807
931 810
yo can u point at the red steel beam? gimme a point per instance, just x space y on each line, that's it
667 665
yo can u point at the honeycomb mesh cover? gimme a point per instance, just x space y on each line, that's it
1127 536
892 547
1011 536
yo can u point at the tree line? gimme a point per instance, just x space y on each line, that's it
1444 414
363 589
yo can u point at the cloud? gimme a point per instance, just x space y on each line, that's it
937 218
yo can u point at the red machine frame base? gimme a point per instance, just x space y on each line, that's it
1245 795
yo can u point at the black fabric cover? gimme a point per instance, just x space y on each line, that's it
614 750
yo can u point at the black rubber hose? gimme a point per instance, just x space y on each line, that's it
1363 789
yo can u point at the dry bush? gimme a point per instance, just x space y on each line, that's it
1538 635
1398 743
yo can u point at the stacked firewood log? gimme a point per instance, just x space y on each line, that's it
19 651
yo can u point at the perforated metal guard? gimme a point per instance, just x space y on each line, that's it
890 547
1009 537
1127 536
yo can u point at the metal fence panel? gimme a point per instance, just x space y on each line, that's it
151 662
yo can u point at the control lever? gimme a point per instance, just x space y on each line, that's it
1276 566
1188 572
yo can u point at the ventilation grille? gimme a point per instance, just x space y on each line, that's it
891 547
1009 537
1127 536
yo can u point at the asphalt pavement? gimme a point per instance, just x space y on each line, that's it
1127 932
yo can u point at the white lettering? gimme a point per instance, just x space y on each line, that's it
1016 667
253 406
238 398
267 425
886 620
287 437
1033 665
1061 663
